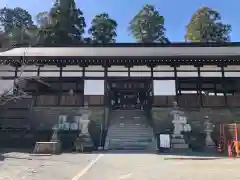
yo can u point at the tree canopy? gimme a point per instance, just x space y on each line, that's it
64 24
206 26
148 26
17 24
103 29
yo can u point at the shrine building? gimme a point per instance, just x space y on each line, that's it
116 78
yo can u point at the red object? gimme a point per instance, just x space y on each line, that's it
220 148
230 152
229 142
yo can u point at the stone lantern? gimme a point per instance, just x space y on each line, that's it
180 125
208 128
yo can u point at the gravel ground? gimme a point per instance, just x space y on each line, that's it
20 166
117 166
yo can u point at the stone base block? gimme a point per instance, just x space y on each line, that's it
47 148
177 136
180 146
177 141
210 149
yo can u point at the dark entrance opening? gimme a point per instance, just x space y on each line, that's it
131 93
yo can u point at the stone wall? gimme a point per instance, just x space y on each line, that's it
47 117
162 118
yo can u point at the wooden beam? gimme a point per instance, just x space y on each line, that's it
176 83
224 85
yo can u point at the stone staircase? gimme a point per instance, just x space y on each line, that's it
128 130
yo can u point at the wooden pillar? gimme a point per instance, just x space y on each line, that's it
37 89
215 88
16 72
199 86
60 85
224 85
151 72
152 81
15 85
129 71
106 93
176 84
83 85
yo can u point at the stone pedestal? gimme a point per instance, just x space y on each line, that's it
209 143
178 143
47 148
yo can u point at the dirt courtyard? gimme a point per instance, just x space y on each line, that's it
116 166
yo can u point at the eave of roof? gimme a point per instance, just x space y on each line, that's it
122 52
174 44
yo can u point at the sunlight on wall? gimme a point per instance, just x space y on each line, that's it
162 87
6 85
94 87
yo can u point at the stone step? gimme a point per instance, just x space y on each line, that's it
126 130
129 136
120 123
180 146
114 143
130 141
127 146
130 124
130 127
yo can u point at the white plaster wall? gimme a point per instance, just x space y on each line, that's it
94 68
142 71
6 85
77 71
161 87
117 68
94 87
163 74
187 74
27 71
214 72
232 68
5 68
43 72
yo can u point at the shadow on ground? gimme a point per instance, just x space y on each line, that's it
166 155
172 156
15 150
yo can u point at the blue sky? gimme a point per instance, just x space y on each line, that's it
177 13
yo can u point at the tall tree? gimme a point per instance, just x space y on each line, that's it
65 24
148 26
103 29
5 42
206 26
15 18
17 24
